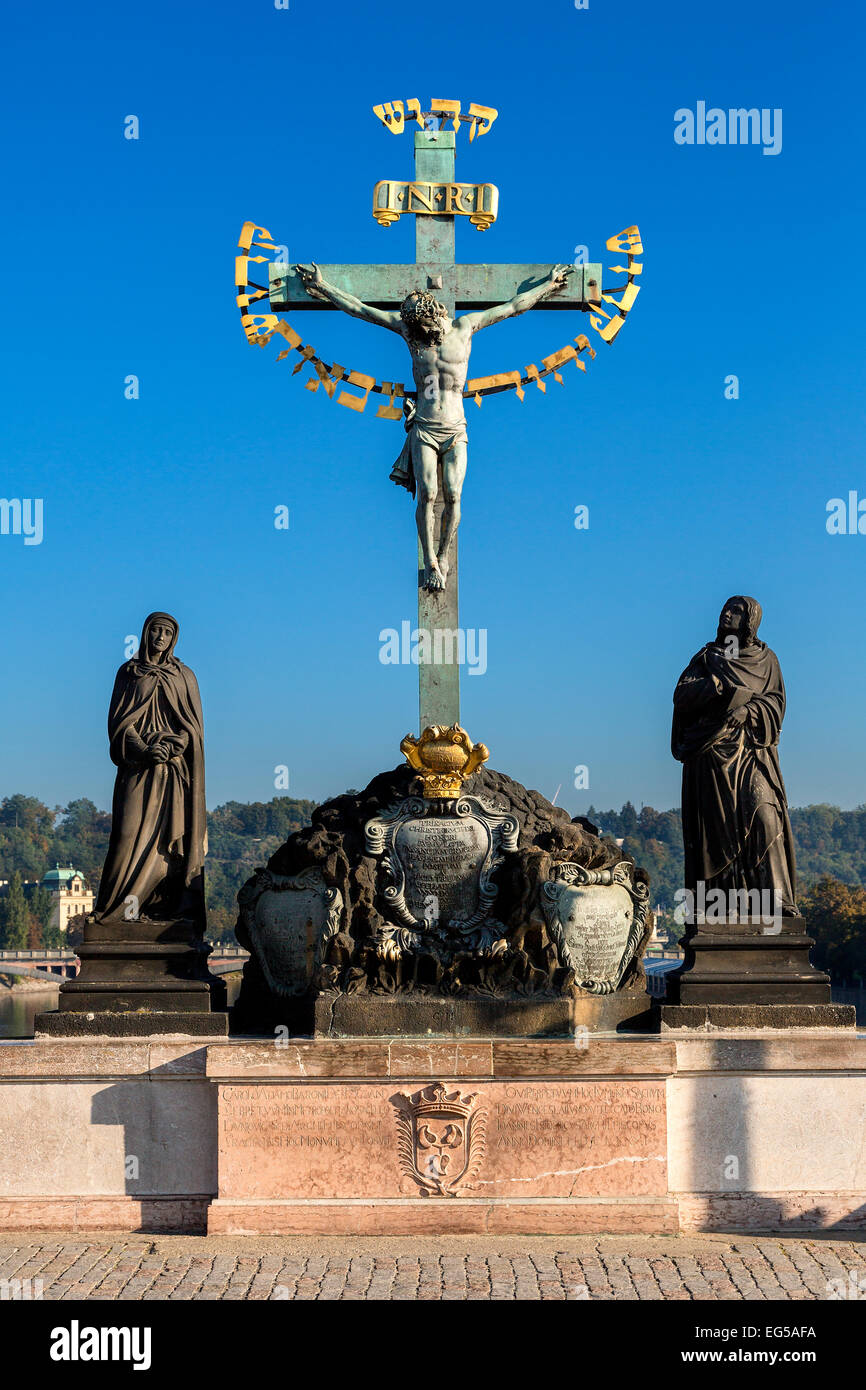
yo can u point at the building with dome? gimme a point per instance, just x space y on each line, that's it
69 895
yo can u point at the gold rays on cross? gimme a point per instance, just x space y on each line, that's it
260 329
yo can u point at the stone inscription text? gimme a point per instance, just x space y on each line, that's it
554 1138
597 920
442 859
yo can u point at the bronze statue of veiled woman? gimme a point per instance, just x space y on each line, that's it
729 704
155 864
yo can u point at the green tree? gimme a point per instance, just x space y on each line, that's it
836 916
74 934
15 927
81 838
242 836
41 904
26 813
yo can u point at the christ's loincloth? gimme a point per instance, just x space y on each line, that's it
441 436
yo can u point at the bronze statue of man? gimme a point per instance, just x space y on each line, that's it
155 863
729 704
435 422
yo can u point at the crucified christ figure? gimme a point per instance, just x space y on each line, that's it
435 422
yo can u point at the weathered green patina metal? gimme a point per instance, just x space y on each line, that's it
438 683
456 287
462 286
471 286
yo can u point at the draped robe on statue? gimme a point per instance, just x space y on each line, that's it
158 828
736 830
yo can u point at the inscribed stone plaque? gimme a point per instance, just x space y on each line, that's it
349 1140
288 920
596 918
442 860
437 857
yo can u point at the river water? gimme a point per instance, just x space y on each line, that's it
18 1008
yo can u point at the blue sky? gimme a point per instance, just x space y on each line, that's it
120 259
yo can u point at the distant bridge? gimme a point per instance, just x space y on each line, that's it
65 965
224 959
40 965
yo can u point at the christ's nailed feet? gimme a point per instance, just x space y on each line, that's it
434 579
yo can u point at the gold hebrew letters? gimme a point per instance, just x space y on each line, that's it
357 402
466 199
478 115
628 241
443 109
393 115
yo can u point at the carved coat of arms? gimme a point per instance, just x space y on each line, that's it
441 1138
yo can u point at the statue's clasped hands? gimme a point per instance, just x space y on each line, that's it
167 746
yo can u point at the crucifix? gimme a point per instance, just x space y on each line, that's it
419 301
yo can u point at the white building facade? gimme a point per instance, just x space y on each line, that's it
70 895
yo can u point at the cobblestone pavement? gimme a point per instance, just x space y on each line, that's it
453 1268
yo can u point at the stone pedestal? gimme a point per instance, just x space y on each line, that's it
397 914
750 974
734 1132
139 978
134 1023
457 1137
413 1016
739 1016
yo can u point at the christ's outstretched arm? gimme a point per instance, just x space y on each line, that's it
520 303
318 288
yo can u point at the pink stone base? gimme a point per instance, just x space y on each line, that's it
444 1217
545 1155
